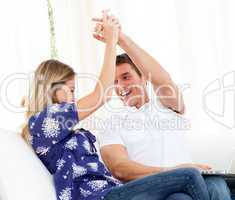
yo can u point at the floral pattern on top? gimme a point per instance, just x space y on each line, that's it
70 155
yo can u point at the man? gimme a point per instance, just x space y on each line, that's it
133 150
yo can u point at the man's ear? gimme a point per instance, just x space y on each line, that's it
144 77
144 80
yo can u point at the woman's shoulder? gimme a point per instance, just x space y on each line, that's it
55 115
60 107
56 108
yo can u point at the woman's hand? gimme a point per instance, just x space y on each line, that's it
107 28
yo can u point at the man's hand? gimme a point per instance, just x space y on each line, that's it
197 166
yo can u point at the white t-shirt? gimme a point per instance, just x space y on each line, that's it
153 135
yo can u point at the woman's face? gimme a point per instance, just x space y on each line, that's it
65 93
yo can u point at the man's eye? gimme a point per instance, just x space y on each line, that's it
72 91
125 77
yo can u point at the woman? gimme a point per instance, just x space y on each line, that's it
70 155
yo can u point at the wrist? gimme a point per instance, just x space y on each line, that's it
124 40
159 169
111 43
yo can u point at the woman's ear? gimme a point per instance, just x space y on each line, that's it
52 94
54 98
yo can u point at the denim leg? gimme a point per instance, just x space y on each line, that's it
162 185
217 188
233 196
179 196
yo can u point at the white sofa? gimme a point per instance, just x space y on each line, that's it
22 175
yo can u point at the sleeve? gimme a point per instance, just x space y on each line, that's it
110 136
53 124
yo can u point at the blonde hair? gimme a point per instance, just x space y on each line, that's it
47 74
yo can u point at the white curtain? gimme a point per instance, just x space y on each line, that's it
25 42
193 40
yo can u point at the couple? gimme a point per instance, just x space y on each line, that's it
70 154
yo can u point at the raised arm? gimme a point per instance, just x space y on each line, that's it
90 103
166 89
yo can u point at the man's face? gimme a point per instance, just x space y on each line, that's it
130 86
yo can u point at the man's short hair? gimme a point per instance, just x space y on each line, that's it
124 58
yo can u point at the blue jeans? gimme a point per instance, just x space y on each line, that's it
179 196
217 188
183 184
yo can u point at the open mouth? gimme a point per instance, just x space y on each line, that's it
124 93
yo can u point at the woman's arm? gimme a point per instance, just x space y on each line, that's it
90 103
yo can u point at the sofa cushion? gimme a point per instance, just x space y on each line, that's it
22 175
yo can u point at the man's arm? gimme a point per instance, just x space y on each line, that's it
165 88
116 159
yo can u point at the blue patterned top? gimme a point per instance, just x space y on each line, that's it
69 155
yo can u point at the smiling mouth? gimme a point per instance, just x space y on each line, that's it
125 93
